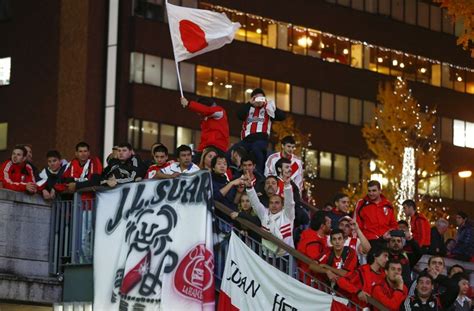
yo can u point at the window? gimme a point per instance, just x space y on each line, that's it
459 137
134 132
355 116
149 9
283 96
237 87
254 29
469 190
149 134
369 110
3 136
220 84
354 170
358 5
136 68
268 87
282 42
448 26
313 103
435 18
297 99
342 108
458 187
152 70
269 33
447 130
410 12
167 136
325 165
184 136
423 14
188 77
446 186
170 78
204 81
340 167
469 135
384 7
446 79
300 40
251 83
327 107
397 9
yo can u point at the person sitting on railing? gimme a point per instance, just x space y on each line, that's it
82 171
359 283
17 175
313 241
288 146
391 292
338 260
183 166
341 205
425 298
278 218
160 155
246 212
354 238
127 168
49 184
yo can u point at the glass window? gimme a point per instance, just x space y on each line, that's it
371 6
134 132
469 135
354 170
447 130
409 66
335 49
282 42
220 85
300 40
384 60
311 163
167 136
396 64
254 29
170 78
313 103
152 70
184 136
188 79
269 33
150 9
149 134
459 78
435 74
325 165
458 187
446 79
384 7
448 26
410 12
251 83
314 44
434 185
136 68
283 96
397 9
5 70
458 27
340 167
237 87
204 81
459 136
470 82
327 107
423 14
370 58
342 108
297 99
357 55
469 182
447 186
358 5
269 88
435 18
355 116
369 110
423 70
242 19
3 136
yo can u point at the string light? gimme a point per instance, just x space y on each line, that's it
407 183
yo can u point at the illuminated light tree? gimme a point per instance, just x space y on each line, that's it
400 122
462 11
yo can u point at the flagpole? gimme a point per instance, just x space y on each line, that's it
179 76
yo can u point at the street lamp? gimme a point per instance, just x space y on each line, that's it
465 174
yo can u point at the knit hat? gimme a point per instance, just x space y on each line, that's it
257 91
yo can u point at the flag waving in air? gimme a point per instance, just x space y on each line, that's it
195 31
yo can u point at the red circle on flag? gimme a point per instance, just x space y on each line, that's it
193 37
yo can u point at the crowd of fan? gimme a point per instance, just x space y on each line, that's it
366 253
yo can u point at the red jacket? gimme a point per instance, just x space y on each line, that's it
361 279
421 230
375 219
313 246
16 176
388 296
348 261
214 126
75 172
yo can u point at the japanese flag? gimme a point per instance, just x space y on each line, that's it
195 31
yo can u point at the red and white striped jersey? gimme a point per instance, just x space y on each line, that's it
257 121
296 168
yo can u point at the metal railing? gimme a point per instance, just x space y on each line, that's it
72 238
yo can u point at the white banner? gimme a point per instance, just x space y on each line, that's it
153 246
250 283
